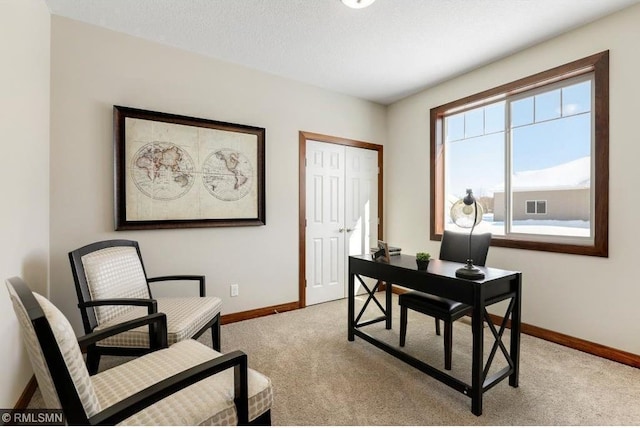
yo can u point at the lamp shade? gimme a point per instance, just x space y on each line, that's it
466 216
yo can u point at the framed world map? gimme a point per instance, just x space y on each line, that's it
176 171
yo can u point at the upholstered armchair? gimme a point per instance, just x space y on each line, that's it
187 383
112 288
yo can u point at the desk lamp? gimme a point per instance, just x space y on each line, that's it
466 213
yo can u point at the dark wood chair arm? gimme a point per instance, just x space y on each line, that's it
199 278
148 396
157 322
151 304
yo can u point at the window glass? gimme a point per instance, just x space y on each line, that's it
533 159
474 123
552 159
494 118
531 207
547 105
522 112
547 144
541 207
576 99
478 164
455 127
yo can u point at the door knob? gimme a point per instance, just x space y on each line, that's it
341 230
349 230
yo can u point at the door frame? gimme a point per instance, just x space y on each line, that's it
303 136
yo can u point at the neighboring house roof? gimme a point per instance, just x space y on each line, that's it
571 175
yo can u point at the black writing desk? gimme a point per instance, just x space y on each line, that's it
440 280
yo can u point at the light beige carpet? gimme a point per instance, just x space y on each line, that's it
320 378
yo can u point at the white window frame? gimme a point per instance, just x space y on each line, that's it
535 206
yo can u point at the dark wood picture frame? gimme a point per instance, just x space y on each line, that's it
173 171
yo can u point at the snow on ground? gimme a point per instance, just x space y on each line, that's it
578 228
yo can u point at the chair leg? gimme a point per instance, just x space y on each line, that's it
437 326
93 361
448 344
263 420
403 324
215 334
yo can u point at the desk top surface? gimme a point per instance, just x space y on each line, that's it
442 268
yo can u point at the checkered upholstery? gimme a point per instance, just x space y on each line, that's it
68 345
43 376
208 402
185 317
114 272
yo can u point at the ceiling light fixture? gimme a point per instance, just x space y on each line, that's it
357 4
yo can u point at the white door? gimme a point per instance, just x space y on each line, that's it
342 214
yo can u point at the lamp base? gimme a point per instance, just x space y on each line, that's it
469 271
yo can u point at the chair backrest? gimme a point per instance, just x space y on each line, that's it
108 270
455 247
55 354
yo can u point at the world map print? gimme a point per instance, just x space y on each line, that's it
164 171
227 175
192 174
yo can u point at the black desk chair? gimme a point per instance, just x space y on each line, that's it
455 248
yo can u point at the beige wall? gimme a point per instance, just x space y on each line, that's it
586 297
92 69
24 217
562 204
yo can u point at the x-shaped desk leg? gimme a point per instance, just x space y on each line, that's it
371 296
498 339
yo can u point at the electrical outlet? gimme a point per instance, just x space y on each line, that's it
234 290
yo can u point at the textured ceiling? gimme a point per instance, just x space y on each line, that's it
383 53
